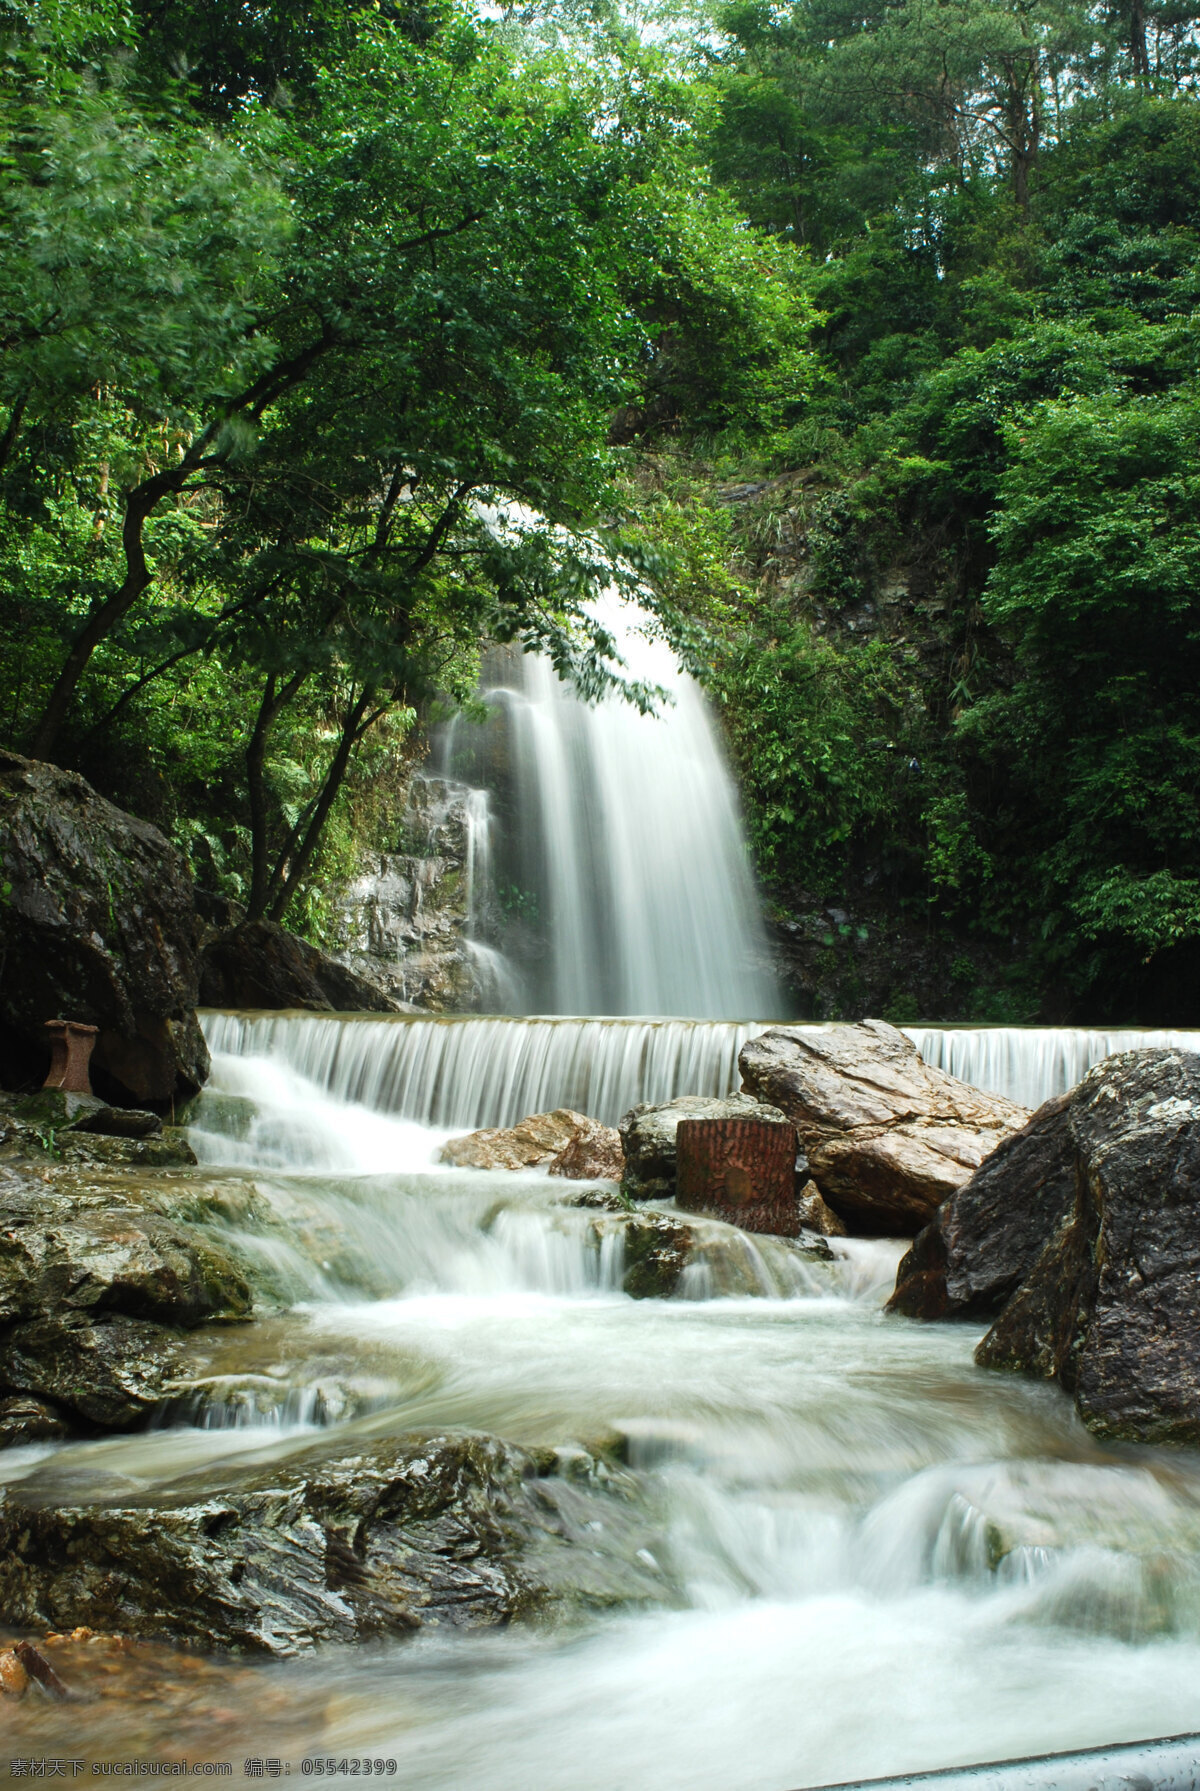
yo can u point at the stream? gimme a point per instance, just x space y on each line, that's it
859 1554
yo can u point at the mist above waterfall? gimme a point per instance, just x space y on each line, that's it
618 879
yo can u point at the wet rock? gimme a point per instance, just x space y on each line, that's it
58 1257
648 1131
815 1215
121 1122
600 1199
24 1419
169 1151
109 1372
1109 1308
450 1532
887 1138
81 1129
534 1141
657 1251
95 1296
984 1240
99 926
593 1155
259 964
28 1118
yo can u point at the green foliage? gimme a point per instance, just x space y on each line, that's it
825 742
316 322
340 340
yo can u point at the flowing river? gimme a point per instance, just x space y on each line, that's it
843 1551
856 1553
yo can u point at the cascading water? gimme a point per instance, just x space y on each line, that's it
461 1072
621 860
1031 1063
859 1554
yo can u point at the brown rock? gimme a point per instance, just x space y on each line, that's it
982 1242
536 1140
886 1137
24 1419
14 1680
741 1170
593 1155
816 1215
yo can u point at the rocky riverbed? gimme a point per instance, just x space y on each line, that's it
443 1477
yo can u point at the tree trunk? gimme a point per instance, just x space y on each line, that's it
98 625
139 505
273 700
739 1170
1138 53
286 882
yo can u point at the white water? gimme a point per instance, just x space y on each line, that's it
622 840
1031 1063
460 1072
859 1553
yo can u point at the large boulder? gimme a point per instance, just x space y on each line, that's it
593 1154
887 1137
1109 1309
983 1241
98 925
648 1137
442 1532
259 964
568 1144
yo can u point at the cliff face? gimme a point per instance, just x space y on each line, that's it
406 922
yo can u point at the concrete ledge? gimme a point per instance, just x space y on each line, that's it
1172 1764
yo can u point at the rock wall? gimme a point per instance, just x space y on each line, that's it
405 923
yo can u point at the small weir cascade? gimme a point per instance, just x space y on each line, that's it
464 1071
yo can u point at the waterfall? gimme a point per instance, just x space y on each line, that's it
461 1072
621 866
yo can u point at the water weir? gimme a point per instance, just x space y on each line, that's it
461 1072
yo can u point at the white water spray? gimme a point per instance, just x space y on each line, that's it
621 840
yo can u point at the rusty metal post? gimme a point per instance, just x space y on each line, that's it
71 1045
739 1170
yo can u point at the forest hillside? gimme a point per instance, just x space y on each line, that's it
860 342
